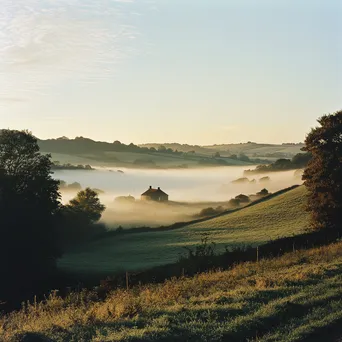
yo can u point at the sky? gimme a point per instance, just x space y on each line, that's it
188 71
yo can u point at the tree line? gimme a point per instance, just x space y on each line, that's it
81 145
299 161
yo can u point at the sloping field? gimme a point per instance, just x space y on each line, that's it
293 298
282 215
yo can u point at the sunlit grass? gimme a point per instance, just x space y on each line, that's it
284 299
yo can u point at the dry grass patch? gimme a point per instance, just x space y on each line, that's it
212 306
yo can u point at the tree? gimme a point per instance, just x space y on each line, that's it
301 159
29 203
234 202
243 157
88 203
282 164
323 175
79 219
162 149
74 186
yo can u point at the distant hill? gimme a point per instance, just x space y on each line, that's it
171 155
251 149
181 147
97 153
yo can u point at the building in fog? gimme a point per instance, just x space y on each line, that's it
156 195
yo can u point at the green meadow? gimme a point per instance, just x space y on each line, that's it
279 216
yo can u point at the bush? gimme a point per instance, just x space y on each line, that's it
211 211
125 199
242 180
74 186
243 198
263 192
234 202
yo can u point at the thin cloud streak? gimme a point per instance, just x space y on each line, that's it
44 43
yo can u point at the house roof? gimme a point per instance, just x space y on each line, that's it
152 191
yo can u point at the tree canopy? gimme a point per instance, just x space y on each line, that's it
29 202
323 175
88 203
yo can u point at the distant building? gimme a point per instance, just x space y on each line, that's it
156 195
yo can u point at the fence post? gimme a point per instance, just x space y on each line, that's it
127 281
257 254
293 247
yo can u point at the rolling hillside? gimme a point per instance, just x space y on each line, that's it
293 298
251 149
260 150
280 216
97 153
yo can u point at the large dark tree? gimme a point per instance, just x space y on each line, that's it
323 175
29 201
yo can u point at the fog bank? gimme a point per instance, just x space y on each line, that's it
196 187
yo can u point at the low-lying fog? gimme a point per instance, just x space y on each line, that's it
196 187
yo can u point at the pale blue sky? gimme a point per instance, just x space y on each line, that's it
189 71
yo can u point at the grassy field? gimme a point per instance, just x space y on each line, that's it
293 298
283 215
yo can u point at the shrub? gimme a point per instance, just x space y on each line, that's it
242 180
243 198
263 192
234 202
211 211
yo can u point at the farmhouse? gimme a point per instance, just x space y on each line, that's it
156 195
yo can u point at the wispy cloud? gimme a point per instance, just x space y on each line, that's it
13 99
44 42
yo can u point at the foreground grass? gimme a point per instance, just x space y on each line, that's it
290 298
280 216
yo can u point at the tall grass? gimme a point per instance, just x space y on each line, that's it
290 298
